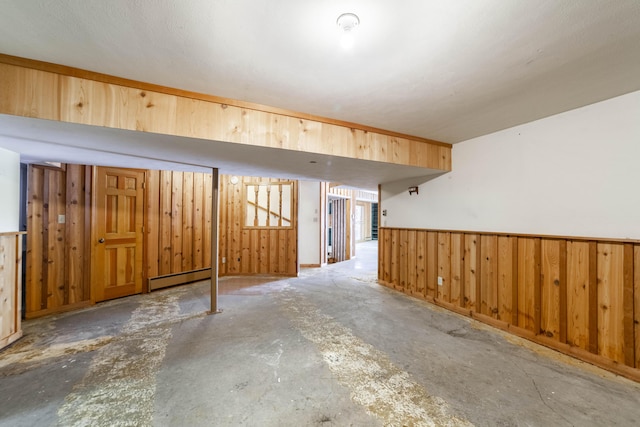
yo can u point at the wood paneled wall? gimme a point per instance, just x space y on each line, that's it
340 222
58 249
48 91
178 222
579 296
10 287
249 250
177 233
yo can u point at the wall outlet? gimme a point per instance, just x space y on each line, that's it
439 280
224 260
61 219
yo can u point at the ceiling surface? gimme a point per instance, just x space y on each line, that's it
443 70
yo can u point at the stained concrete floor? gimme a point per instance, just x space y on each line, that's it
329 348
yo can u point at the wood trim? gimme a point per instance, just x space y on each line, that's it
58 310
563 291
537 287
538 236
105 78
161 282
12 233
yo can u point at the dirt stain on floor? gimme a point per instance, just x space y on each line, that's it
384 390
119 387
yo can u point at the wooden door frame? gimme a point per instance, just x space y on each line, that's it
93 233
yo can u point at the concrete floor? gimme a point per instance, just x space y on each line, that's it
329 348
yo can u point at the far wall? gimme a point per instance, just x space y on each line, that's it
572 174
9 190
309 223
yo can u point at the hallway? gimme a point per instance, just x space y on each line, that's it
330 347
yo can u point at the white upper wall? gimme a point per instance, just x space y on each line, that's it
9 190
309 223
572 174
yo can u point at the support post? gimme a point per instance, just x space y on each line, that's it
214 241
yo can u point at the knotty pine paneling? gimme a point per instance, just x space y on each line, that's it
250 250
177 232
10 287
57 238
580 296
177 222
46 91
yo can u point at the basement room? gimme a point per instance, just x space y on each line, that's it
336 213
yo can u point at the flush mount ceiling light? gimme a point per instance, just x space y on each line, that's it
347 22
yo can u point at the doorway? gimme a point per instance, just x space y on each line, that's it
338 229
117 246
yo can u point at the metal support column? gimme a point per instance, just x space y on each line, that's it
214 241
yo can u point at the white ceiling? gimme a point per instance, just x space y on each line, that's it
444 70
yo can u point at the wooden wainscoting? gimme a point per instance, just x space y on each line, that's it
247 249
10 287
580 296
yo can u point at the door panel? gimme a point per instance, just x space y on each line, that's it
117 245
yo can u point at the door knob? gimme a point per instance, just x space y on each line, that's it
101 240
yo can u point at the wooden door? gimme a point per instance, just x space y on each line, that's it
117 233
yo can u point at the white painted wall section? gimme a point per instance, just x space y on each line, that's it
572 174
309 223
9 190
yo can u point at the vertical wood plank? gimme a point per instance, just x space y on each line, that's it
273 251
386 255
432 264
628 305
187 221
152 234
176 222
411 262
578 294
421 263
74 234
35 239
404 255
488 276
527 277
506 278
550 286
514 283
611 301
46 237
563 290
395 254
636 302
593 298
537 290
56 286
88 226
470 271
166 206
457 269
210 219
198 220
444 266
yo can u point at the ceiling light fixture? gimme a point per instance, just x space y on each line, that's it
347 22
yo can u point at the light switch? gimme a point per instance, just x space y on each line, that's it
61 219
